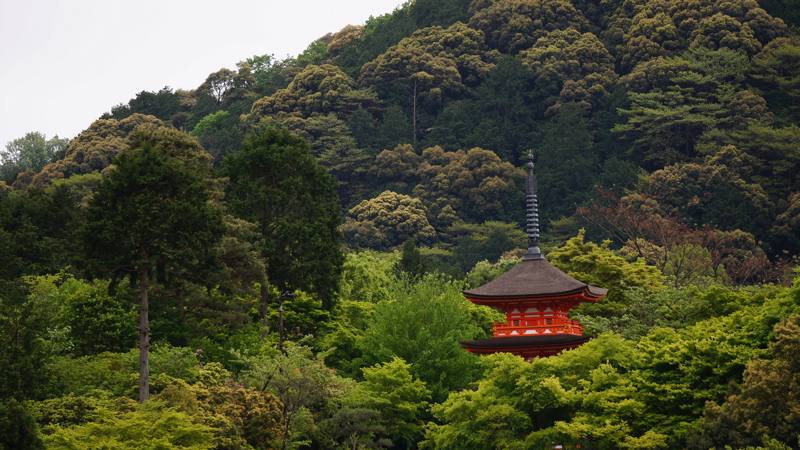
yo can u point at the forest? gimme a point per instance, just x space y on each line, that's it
276 258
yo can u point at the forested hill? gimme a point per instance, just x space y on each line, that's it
366 182
642 115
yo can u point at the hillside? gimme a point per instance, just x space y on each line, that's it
363 184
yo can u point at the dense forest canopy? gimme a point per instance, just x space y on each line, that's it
286 244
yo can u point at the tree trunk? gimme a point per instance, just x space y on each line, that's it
144 334
286 428
264 303
414 115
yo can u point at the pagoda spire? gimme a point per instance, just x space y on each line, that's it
532 213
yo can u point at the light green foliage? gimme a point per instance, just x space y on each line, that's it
766 406
423 325
152 425
303 315
116 372
236 417
600 266
242 417
519 404
301 382
340 342
485 271
387 221
31 334
401 400
368 276
218 133
96 321
615 393
29 153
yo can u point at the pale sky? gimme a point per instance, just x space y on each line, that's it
63 63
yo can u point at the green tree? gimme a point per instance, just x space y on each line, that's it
18 430
219 133
316 90
600 266
424 324
411 262
646 30
30 153
567 163
300 381
30 336
514 25
570 66
472 185
774 69
499 115
703 193
39 228
164 104
387 221
152 425
766 405
276 183
487 241
336 149
428 66
97 321
785 9
401 400
767 155
94 148
152 211
368 276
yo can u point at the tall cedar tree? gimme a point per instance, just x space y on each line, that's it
276 182
151 210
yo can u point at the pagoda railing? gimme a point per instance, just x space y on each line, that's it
568 327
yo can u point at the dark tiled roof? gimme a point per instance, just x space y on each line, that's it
526 341
531 278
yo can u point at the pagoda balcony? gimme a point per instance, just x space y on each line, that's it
568 327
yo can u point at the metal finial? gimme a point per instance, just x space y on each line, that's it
532 213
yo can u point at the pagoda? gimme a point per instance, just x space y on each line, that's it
536 298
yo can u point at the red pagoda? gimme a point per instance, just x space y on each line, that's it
536 298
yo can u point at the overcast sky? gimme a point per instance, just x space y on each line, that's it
65 62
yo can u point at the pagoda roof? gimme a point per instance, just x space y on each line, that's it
534 278
565 340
